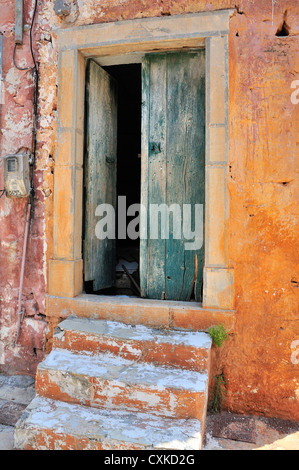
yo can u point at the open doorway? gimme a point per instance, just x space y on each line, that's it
128 78
166 261
128 180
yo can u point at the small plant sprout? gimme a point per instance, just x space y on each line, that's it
218 392
218 334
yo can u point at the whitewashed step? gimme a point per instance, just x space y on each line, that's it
181 349
54 425
107 381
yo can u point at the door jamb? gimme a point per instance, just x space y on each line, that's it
123 40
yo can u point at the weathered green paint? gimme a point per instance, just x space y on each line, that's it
173 159
152 278
100 173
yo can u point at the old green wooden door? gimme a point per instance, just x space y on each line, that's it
173 173
100 174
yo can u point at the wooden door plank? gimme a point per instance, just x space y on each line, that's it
100 174
156 174
145 118
186 168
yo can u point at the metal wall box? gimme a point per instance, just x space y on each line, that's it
16 175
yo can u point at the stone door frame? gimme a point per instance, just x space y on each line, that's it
121 42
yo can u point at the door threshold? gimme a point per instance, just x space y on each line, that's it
134 310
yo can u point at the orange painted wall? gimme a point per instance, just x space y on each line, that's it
258 361
264 195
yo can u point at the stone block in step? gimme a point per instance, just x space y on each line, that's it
181 349
54 425
107 381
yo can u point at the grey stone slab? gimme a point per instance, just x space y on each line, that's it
20 388
6 437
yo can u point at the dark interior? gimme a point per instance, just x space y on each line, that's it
128 78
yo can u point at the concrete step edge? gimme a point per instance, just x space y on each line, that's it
108 367
122 331
47 423
178 349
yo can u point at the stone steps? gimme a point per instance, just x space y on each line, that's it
157 380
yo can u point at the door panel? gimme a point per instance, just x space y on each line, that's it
155 180
173 164
100 173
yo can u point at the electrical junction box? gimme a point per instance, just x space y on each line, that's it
16 175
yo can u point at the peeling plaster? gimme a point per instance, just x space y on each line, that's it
12 80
